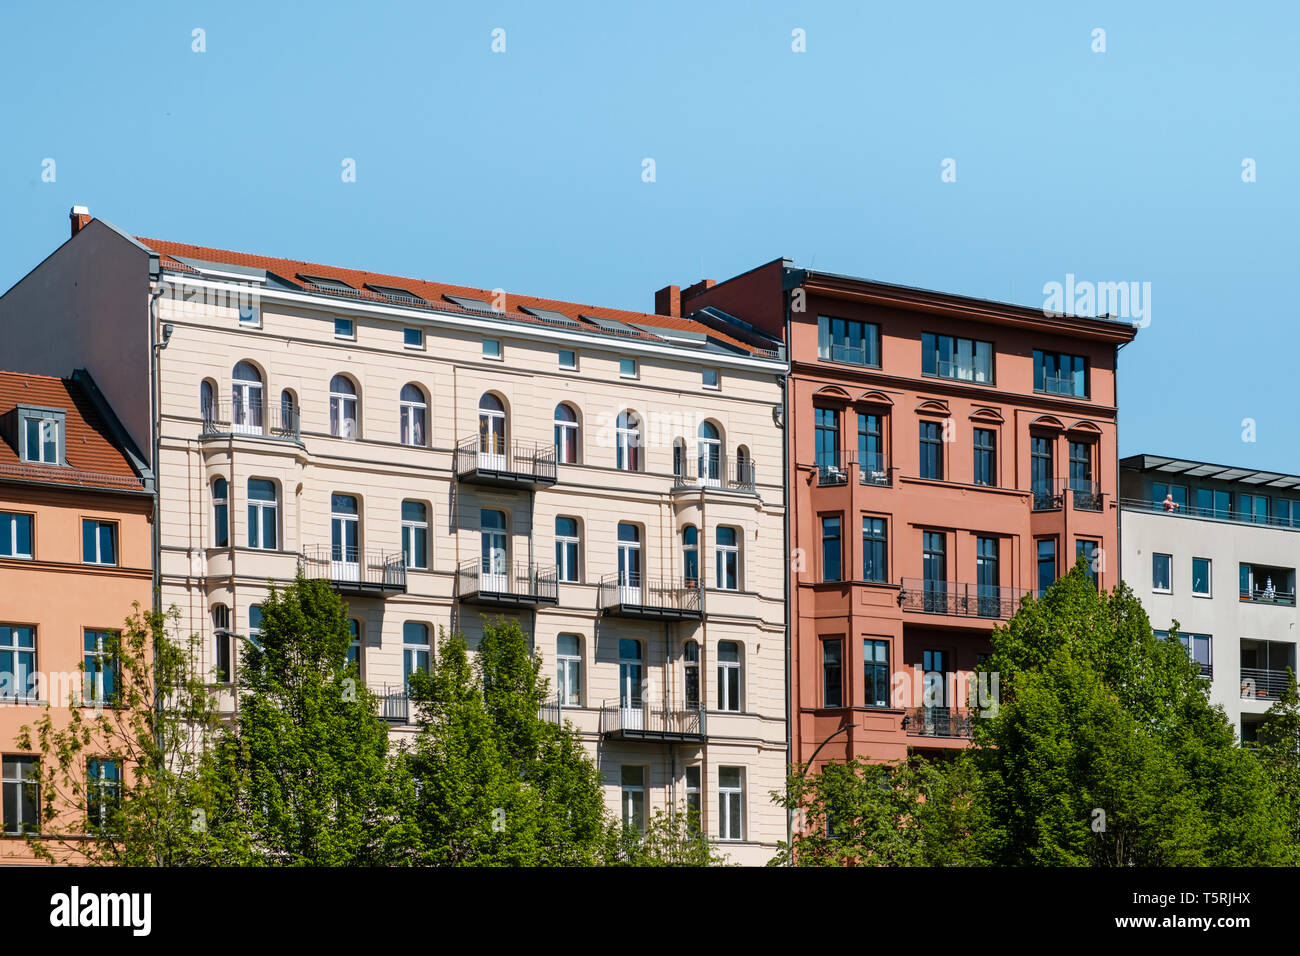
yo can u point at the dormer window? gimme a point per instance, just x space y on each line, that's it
41 435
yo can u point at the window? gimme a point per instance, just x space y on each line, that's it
629 560
246 404
414 416
567 544
1081 466
492 349
627 368
568 677
1088 551
1041 466
827 438
1201 577
1210 502
847 340
1178 492
934 568
1286 513
987 577
415 650
415 535
932 450
1046 564
728 559
875 672
344 329
255 621
568 359
1161 573
629 674
224 642
98 541
103 790
708 460
494 550
42 434
207 400
691 674
934 666
875 559
1059 374
832 673
354 645
873 467
632 779
1198 647
343 407
18 679
288 412
491 431
413 338
711 379
693 804
728 676
566 435
22 795
731 804
220 514
832 552
627 435
102 667
1253 508
986 457
345 534
691 556
15 535
262 514
967 360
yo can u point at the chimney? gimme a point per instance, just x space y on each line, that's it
668 301
80 216
702 286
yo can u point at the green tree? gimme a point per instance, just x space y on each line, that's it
1278 746
672 838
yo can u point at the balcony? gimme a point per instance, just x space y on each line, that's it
517 464
1258 683
1047 495
353 572
873 469
954 722
1266 596
655 723
1183 510
1267 584
833 468
1087 495
1062 385
223 419
659 599
960 600
506 585
716 471
392 703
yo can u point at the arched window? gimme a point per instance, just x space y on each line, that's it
263 521
744 469
628 442
343 407
566 435
728 675
691 556
415 412
415 534
288 411
679 458
494 551
492 427
246 399
207 400
709 454
629 563
220 513
691 674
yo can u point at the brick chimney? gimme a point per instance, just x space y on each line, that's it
702 286
80 216
668 301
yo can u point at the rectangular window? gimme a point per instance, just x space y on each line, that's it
1286 513
568 359
966 360
694 806
848 341
872 464
1057 373
986 457
1046 564
415 535
632 779
832 673
826 435
98 541
727 556
255 621
567 546
934 679
354 646
413 338
344 329
988 581
1088 551
1161 572
103 790
17 662
568 667
41 436
731 803
932 450
492 349
416 650
1201 577
1159 491
875 672
711 378
875 550
934 568
831 550
627 368
22 795
263 524
1042 481
15 535
101 667
1253 508
225 670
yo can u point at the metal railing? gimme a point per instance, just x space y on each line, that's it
873 468
1060 385
655 721
1258 683
68 476
239 418
717 472
638 593
352 569
1269 596
514 583
392 702
960 599
1046 494
519 459
834 468
1086 494
1212 514
960 372
848 354
938 722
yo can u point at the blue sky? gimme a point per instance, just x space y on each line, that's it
523 169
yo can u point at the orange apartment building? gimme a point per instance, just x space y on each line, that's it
945 456
75 552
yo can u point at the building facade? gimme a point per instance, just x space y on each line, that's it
946 456
444 455
75 553
1210 550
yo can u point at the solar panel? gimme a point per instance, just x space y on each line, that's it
326 284
466 302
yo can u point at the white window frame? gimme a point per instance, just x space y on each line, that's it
117 544
9 527
257 509
417 346
411 408
411 653
20 782
564 573
717 379
351 334
1209 578
626 794
723 671
564 427
560 359
51 426
339 404
731 807
1170 575
409 527
566 667
724 554
500 350
627 441
624 373
359 644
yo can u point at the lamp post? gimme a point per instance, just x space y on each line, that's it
849 725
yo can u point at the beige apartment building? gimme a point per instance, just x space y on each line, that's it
443 455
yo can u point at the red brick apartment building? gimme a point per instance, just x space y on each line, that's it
945 456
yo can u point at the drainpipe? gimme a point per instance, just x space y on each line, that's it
787 514
155 425
1119 514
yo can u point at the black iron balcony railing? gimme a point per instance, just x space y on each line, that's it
714 471
240 418
392 703
1047 494
643 720
506 583
1086 494
516 463
1258 683
938 722
351 571
635 595
959 599
1269 596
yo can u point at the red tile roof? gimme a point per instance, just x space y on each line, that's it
433 292
94 459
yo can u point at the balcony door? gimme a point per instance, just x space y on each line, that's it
709 457
631 679
934 569
345 536
246 400
491 434
493 563
934 689
1040 470
629 564
871 448
986 576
